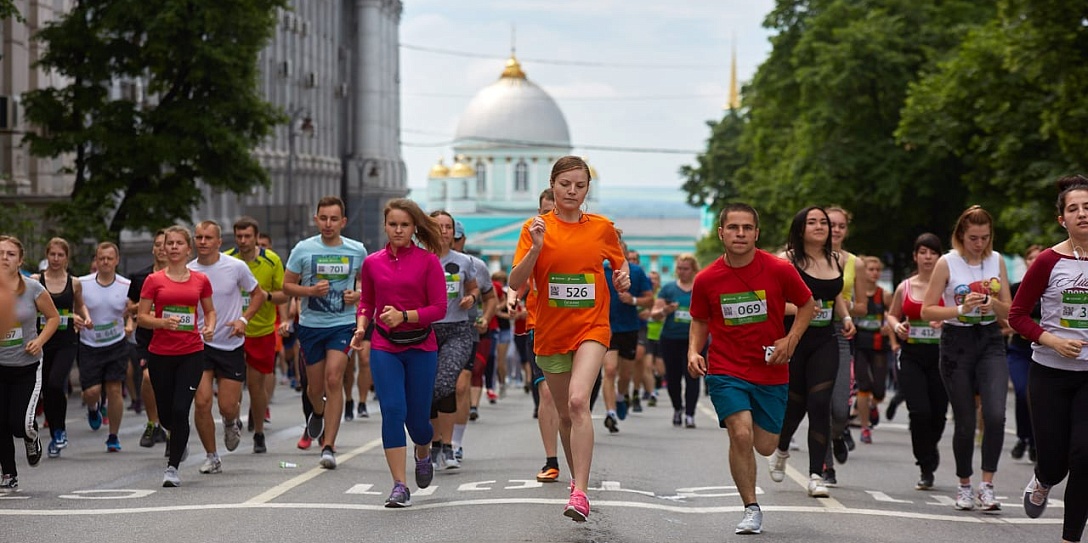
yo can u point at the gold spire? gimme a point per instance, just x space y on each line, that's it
734 94
513 67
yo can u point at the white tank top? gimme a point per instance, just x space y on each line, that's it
106 305
964 279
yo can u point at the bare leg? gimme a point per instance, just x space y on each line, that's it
202 404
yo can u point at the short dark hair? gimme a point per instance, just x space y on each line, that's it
737 206
244 222
327 201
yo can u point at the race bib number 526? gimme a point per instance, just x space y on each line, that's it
572 290
744 307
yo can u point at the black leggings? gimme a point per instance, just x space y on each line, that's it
871 372
1058 400
19 390
174 379
56 366
921 386
675 354
812 376
973 362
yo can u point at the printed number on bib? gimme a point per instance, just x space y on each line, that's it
922 332
682 315
744 307
186 316
104 333
1074 309
14 337
824 311
453 285
332 268
869 324
65 318
578 290
245 301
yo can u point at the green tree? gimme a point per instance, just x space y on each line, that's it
139 160
8 9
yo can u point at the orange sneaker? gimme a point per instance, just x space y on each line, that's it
548 475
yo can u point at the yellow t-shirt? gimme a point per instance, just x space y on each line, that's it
268 269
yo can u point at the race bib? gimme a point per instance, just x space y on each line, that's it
14 337
453 285
682 315
1074 309
65 318
744 307
185 314
869 324
245 301
824 311
104 333
332 268
577 290
922 333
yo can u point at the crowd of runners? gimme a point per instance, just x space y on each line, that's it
771 339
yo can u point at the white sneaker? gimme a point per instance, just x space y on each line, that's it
816 486
777 463
752 523
212 464
232 434
170 477
964 500
1035 496
986 499
328 459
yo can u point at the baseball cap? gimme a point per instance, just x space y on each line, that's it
458 230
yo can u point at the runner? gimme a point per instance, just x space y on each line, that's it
873 346
322 269
470 383
233 287
260 342
404 291
565 250
103 352
814 364
1058 379
20 360
919 360
153 431
619 360
59 352
973 283
739 302
168 304
673 308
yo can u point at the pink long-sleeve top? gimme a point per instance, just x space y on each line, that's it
410 280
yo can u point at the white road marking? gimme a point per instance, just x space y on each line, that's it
614 486
284 487
882 497
523 483
424 491
106 494
479 485
362 489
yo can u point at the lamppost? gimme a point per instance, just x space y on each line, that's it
300 123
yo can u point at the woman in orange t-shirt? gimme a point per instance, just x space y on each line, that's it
563 252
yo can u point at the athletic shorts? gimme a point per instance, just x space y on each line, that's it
226 364
653 348
315 342
99 365
261 353
506 335
556 363
642 339
626 343
766 402
290 339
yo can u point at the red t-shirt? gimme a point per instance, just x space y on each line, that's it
744 308
173 298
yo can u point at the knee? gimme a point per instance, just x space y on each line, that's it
463 386
202 404
742 437
578 406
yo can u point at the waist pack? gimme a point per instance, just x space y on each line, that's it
405 337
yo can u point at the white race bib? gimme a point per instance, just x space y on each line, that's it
186 316
577 290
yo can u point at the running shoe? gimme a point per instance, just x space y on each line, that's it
985 498
305 441
268 415
250 422
1019 449
1035 495
621 409
258 443
652 400
449 458
160 434
103 413
53 450
548 474
459 453
232 433
893 406
113 444
816 486
1032 454
212 464
925 482
148 438
777 464
9 481
964 500
362 413
677 418
437 459
636 404
349 410
830 478
752 523
61 438
689 421
492 397
94 419
399 497
610 423
578 506
840 449
33 451
424 472
315 425
848 438
867 436
473 413
874 416
328 458
170 478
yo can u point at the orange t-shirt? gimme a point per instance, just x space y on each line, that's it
572 302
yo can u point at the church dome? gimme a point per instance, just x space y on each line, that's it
460 169
512 112
439 170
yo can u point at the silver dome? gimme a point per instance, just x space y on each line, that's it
512 112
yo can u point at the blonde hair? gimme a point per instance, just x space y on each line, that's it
689 258
873 260
973 216
59 242
185 233
19 290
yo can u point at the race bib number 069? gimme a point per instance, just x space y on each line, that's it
744 307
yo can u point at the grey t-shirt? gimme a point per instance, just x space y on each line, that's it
459 271
483 280
13 343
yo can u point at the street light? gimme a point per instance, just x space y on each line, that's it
300 123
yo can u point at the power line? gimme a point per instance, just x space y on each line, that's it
527 143
559 62
577 99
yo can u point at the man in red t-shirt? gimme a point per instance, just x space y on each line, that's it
740 301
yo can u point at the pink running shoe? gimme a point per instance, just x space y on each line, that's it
578 506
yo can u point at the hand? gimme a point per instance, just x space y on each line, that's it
351 297
848 329
171 323
902 330
86 324
1068 348
536 232
696 364
34 347
284 328
467 302
237 328
207 332
357 341
79 322
391 316
130 326
671 307
621 281
481 326
783 351
320 289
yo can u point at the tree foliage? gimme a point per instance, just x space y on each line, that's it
8 9
906 112
139 158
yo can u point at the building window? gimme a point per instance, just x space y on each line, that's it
521 176
481 177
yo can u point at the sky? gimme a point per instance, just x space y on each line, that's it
640 74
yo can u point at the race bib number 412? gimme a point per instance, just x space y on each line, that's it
744 307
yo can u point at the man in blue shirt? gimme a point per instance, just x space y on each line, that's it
619 361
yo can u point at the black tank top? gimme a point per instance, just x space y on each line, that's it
823 291
65 303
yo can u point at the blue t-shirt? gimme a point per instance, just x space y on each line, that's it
313 261
623 317
678 323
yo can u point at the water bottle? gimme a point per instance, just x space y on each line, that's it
288 465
